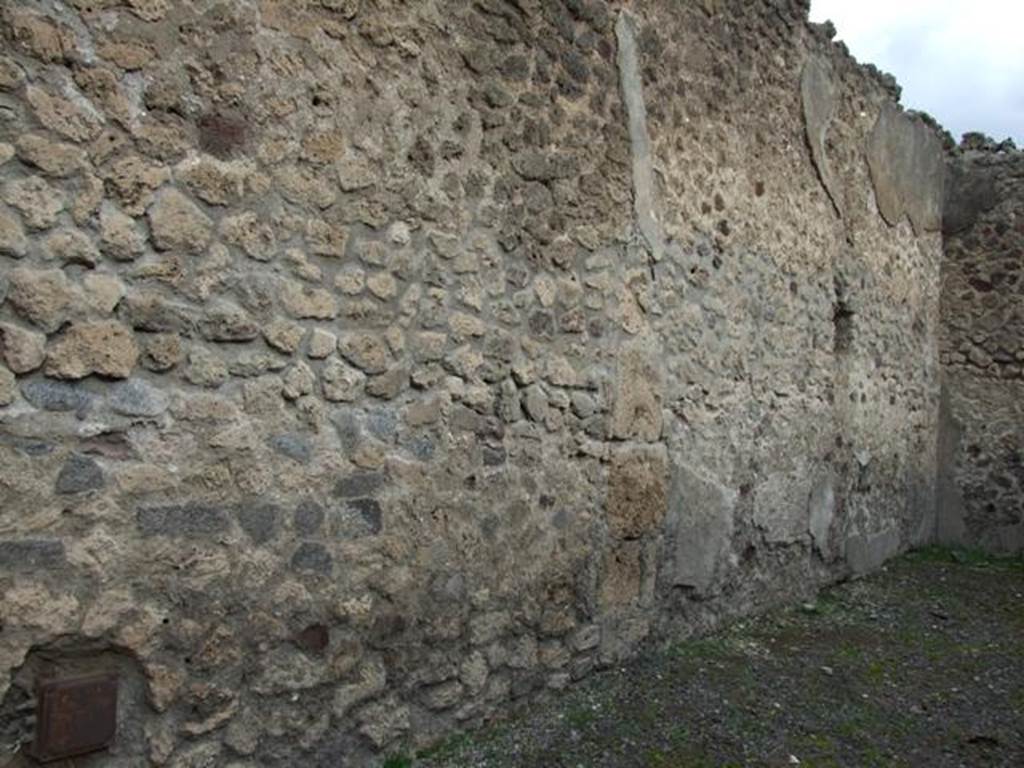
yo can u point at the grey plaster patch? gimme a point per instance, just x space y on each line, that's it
821 509
780 506
699 525
907 169
867 552
818 92
645 204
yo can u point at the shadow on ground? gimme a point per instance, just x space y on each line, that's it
919 665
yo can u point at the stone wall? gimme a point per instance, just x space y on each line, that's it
982 343
369 366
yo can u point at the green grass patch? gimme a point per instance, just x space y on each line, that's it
701 649
581 717
446 749
975 558
680 758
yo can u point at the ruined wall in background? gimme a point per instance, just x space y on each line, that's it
982 343
371 366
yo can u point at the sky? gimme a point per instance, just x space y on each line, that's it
962 61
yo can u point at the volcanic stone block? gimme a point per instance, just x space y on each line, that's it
191 520
79 474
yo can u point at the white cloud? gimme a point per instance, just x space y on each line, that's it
963 62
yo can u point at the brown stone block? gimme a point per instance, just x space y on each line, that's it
636 412
622 575
637 491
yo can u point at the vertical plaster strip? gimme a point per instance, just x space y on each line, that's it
644 203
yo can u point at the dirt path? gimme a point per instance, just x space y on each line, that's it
920 665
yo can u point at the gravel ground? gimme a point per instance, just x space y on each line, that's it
919 665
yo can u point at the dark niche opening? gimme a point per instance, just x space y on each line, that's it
842 321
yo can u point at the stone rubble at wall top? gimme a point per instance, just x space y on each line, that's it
367 369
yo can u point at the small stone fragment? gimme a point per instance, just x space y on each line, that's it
11 74
120 238
103 292
38 202
423 412
31 554
384 721
177 223
12 236
56 396
350 280
8 386
259 521
71 246
79 474
535 403
303 302
133 180
40 296
149 311
302 185
214 181
294 446
325 238
355 172
364 350
137 398
149 10
106 348
205 369
311 557
72 121
41 35
192 520
87 201
321 344
226 322
250 233
308 518
21 349
284 335
162 352
53 158
382 285
128 55
341 383
298 381
389 384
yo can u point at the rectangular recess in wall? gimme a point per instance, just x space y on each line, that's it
74 716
